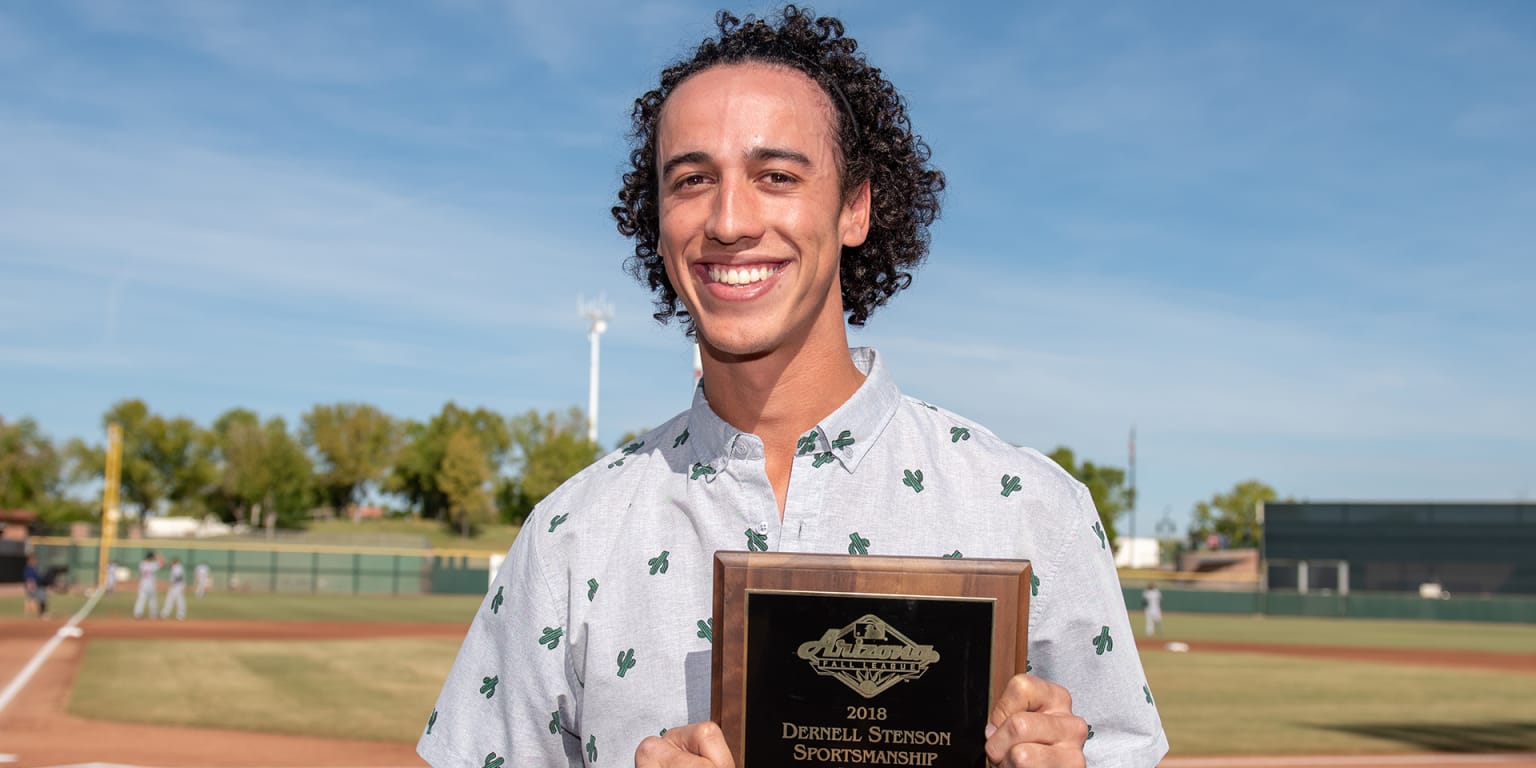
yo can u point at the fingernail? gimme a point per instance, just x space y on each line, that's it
991 729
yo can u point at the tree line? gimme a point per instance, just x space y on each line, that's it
465 468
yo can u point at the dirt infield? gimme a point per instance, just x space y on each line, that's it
36 729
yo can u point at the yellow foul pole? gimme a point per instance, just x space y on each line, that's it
109 500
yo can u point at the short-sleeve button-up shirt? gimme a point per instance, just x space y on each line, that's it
597 630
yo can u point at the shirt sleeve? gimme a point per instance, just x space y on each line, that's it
510 699
1080 638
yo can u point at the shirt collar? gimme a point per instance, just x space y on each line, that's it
846 435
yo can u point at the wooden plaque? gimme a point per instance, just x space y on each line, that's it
831 659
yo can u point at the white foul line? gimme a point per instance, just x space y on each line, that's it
68 630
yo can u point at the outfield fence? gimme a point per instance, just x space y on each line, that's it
1357 605
259 567
334 569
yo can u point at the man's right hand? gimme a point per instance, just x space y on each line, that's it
697 745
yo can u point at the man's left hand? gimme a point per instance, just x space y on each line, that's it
1033 725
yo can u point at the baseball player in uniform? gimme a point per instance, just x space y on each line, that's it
202 577
176 595
149 570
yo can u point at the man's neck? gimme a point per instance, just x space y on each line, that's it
781 395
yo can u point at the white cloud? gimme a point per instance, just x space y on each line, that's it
219 224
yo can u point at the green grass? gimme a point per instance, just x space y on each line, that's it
1216 703
261 606
1211 703
379 689
1374 633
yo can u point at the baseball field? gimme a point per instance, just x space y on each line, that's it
300 680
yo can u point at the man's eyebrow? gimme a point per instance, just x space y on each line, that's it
758 154
778 153
687 158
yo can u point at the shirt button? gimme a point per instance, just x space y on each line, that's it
740 451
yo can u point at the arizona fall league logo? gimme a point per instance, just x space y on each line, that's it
868 656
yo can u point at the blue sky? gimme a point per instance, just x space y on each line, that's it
1286 241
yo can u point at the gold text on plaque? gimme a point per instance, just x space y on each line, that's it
868 656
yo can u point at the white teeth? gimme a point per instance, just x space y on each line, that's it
735 276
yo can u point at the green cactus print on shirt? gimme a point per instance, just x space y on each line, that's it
554 522
554 721
592 748
806 444
1098 528
955 555
706 629
492 761
683 438
497 601
1034 585
551 637
626 661
1010 484
658 563
844 439
756 542
1090 733
431 721
1144 689
857 545
629 450
1103 643
488 686
591 589
912 478
701 470
956 434
825 457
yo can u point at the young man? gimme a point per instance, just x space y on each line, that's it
36 600
777 188
176 593
203 578
1152 607
149 572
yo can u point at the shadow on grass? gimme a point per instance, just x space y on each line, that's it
1441 737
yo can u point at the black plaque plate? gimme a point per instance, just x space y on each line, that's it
842 677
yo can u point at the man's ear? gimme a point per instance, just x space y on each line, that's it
853 221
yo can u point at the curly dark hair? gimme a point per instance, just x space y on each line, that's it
875 139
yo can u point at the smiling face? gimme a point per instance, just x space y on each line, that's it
752 216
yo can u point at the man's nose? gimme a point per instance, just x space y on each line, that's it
736 214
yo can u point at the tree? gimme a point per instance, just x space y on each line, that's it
31 470
261 465
182 453
354 444
547 450
418 467
163 461
1233 515
464 479
1106 485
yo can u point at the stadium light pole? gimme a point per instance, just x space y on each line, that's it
1132 450
597 313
